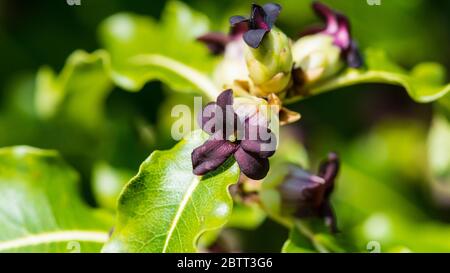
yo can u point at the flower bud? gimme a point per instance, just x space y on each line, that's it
269 66
317 57
307 195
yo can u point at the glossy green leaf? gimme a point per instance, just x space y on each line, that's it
297 243
40 207
143 50
424 83
165 208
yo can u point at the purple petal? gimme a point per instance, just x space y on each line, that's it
211 155
302 180
225 98
254 37
239 25
259 140
258 148
272 11
229 117
328 15
353 56
206 117
342 36
303 191
237 30
329 216
215 41
251 165
258 18
337 25
219 116
328 170
237 20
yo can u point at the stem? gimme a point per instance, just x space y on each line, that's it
304 229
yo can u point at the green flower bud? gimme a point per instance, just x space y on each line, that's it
269 66
317 57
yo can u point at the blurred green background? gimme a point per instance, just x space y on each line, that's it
380 133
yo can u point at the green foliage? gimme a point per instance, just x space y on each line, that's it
306 237
391 176
107 183
78 92
40 208
165 208
144 50
424 83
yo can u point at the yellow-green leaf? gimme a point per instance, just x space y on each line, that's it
165 207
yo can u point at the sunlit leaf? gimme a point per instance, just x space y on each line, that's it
143 49
40 207
78 92
165 208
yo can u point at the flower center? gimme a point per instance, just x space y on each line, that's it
232 137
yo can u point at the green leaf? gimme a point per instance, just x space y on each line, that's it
306 236
143 50
165 208
78 92
40 210
424 83
297 243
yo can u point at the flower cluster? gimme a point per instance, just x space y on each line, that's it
260 61
251 143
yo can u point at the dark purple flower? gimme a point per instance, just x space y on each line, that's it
254 29
337 26
230 136
309 195
260 22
